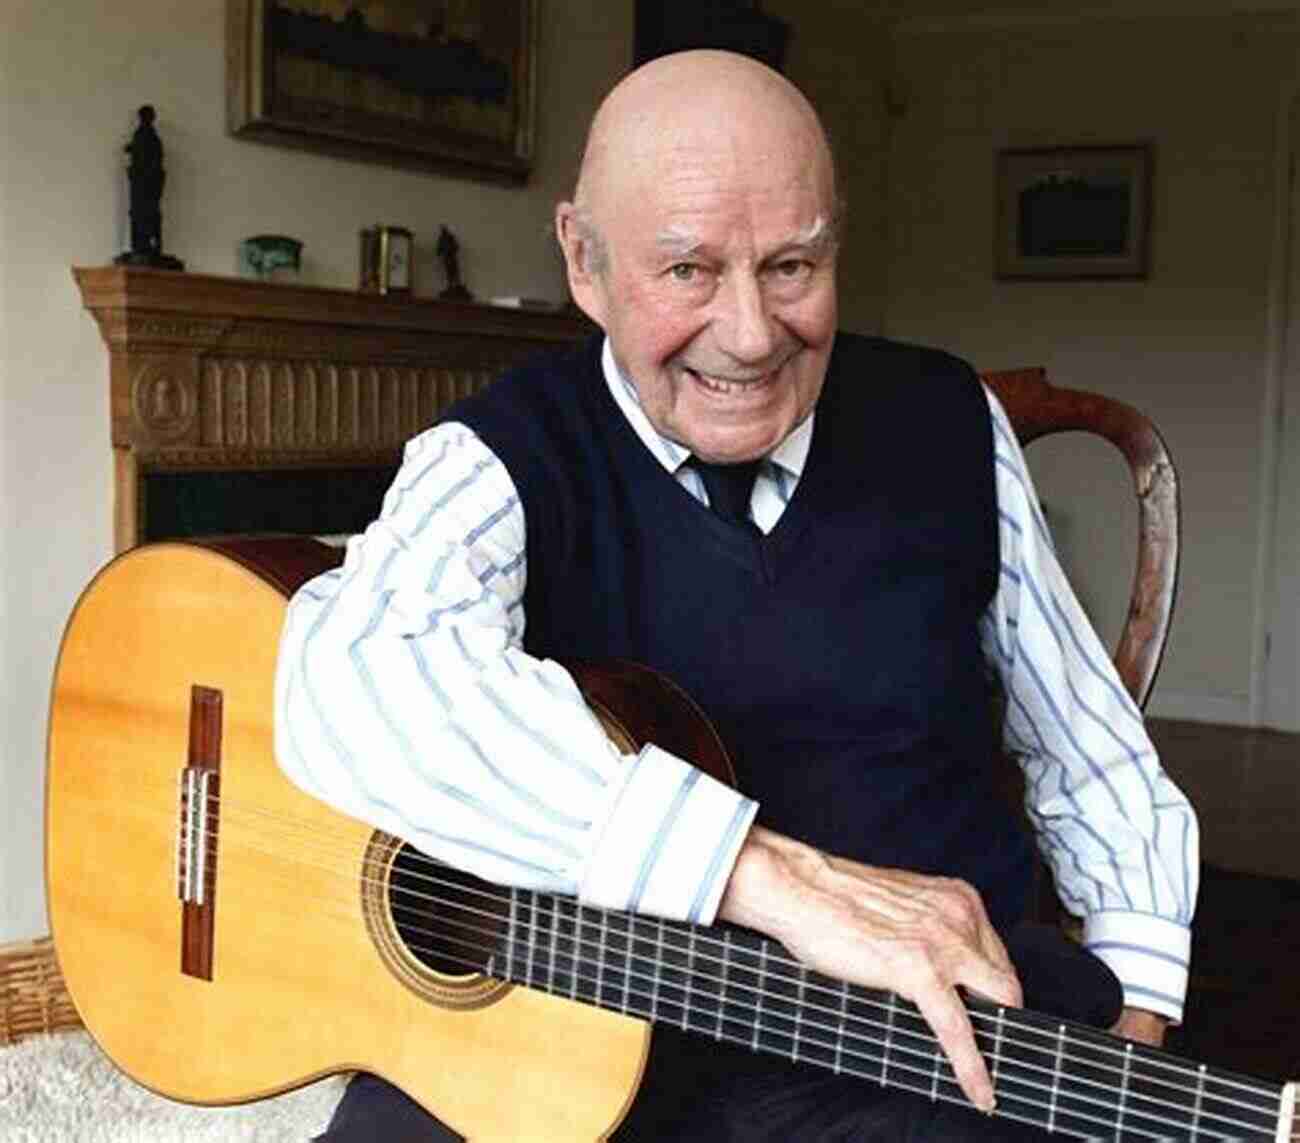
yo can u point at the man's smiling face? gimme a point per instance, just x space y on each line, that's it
709 214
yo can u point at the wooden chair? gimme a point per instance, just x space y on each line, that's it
1037 409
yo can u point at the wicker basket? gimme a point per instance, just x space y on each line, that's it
33 997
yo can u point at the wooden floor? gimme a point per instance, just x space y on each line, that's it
1245 785
1243 1008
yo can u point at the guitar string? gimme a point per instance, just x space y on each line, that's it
774 958
922 1034
950 1089
476 966
932 1091
929 1055
703 940
1065 1104
944 1088
479 965
587 922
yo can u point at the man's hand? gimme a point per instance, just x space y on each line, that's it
919 936
1144 1027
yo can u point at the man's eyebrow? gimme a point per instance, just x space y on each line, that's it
817 236
678 241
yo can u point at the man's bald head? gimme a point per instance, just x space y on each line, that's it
684 105
689 100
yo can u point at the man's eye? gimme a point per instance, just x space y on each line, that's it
793 268
684 271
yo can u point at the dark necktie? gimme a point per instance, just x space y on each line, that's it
729 487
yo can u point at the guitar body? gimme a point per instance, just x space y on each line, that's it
306 978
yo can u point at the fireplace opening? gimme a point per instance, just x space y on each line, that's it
313 501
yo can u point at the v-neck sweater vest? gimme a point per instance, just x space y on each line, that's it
838 656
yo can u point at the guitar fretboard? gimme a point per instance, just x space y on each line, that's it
733 986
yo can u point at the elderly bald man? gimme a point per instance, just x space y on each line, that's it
723 487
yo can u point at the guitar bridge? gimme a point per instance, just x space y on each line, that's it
197 788
198 815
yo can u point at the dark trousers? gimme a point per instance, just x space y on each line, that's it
698 1091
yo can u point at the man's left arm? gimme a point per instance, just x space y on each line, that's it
1120 837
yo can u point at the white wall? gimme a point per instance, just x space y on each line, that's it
1190 345
839 54
73 74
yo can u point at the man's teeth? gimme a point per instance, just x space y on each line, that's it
723 385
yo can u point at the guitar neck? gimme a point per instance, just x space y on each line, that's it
733 986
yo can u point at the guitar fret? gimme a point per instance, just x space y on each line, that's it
889 1037
997 1044
658 969
628 930
510 935
722 992
1200 1099
550 955
839 1035
937 1054
758 1007
798 1014
690 968
601 948
1286 1127
573 956
1056 1078
532 937
1123 1087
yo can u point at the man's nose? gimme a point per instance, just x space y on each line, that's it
745 328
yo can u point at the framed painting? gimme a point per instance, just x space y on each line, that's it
445 85
1073 212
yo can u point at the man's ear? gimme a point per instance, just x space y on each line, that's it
581 261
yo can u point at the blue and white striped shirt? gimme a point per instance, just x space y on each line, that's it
404 698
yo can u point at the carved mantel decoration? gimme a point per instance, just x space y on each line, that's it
210 374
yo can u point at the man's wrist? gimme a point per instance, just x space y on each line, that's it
1141 1025
762 884
1149 955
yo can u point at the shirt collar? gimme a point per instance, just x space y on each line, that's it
791 454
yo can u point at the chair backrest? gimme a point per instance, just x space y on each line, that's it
1038 408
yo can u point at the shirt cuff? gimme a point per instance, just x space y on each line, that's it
669 843
1149 954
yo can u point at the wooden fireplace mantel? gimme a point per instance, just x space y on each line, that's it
209 372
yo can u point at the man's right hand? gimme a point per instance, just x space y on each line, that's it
919 936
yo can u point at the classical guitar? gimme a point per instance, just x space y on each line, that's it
226 937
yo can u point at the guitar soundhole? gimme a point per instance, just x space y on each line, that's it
436 929
451 922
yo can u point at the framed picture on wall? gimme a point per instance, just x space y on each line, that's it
1072 212
446 85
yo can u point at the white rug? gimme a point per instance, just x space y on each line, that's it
63 1089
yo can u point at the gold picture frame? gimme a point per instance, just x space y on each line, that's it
446 86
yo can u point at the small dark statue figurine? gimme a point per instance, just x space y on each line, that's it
146 176
448 251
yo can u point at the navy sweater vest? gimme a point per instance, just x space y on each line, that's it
838 655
